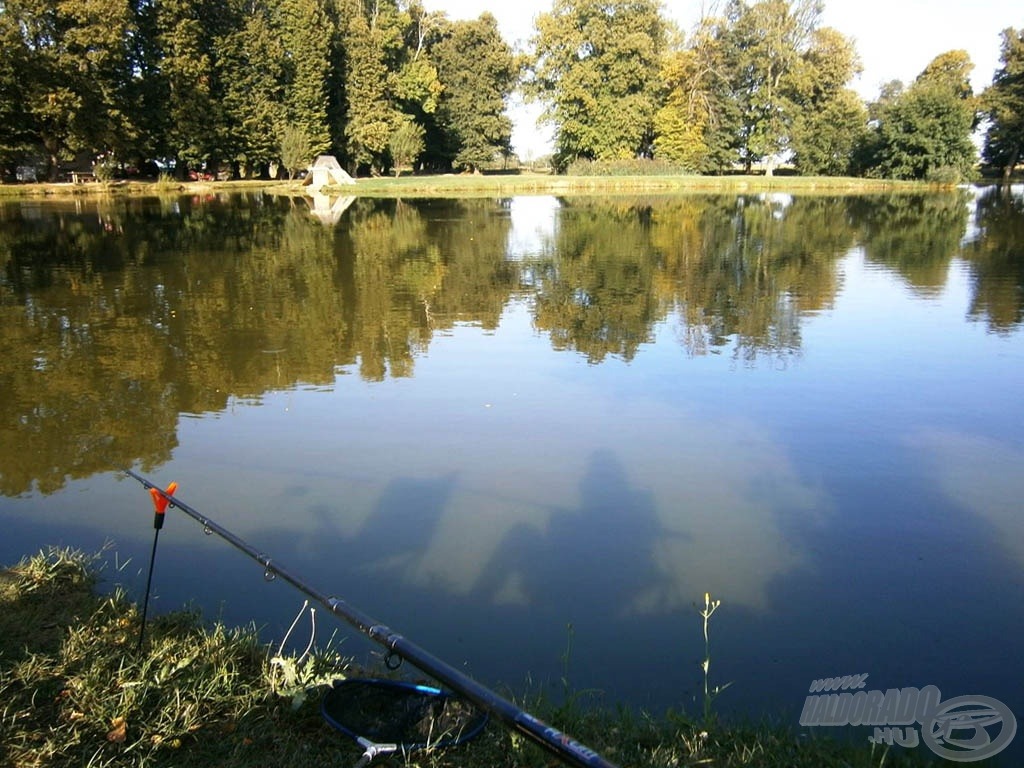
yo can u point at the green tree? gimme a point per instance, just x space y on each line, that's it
416 84
596 68
830 119
75 69
194 93
696 124
825 141
251 60
768 41
145 86
406 145
96 44
15 123
1003 103
306 30
296 148
370 115
925 132
478 71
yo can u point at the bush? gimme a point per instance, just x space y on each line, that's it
944 174
105 169
630 167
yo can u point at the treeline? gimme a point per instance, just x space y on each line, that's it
255 86
757 83
251 85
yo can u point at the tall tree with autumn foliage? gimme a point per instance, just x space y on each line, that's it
697 123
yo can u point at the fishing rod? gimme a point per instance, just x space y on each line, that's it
554 741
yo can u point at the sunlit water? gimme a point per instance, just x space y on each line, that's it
530 434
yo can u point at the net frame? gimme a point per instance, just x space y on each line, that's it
387 716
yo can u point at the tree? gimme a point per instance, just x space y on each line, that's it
296 148
15 122
825 139
925 132
478 72
194 93
830 119
416 83
1003 103
369 118
680 123
596 68
370 37
767 42
696 125
96 45
306 31
74 68
251 63
406 145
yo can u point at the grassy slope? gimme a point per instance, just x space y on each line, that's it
74 691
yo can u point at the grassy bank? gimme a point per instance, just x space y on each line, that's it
67 190
546 184
75 691
467 185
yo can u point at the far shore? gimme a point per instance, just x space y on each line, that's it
476 185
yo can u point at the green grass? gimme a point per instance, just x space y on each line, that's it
164 185
470 185
75 691
539 183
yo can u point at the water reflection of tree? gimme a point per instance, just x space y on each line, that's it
997 259
418 267
759 263
597 296
916 236
119 315
81 354
736 270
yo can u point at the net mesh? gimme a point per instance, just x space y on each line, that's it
392 712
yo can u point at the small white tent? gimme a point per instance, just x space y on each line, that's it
325 171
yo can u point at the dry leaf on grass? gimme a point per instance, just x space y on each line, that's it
118 730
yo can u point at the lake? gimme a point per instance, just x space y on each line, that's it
531 433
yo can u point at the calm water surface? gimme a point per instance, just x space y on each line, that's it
531 433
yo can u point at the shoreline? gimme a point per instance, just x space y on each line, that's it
77 689
503 185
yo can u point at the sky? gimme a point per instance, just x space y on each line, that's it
896 39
